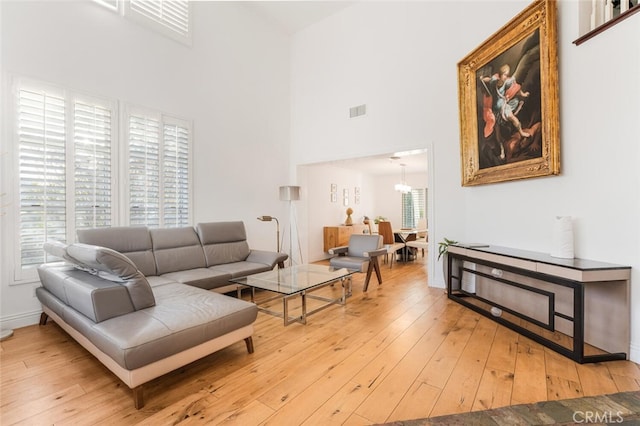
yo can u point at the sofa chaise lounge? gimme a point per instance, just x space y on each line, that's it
139 326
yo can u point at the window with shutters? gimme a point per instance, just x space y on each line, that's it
42 128
93 167
158 152
64 167
175 174
169 17
69 166
414 208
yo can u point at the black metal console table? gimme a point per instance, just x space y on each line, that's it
579 308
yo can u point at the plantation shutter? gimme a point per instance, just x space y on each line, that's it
42 173
92 149
414 207
173 15
144 171
175 173
419 205
407 210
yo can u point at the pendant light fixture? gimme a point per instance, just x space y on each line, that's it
402 186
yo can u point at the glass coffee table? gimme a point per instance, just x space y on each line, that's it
297 281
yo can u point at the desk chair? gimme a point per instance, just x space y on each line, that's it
388 239
360 255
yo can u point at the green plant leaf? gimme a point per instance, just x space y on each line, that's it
443 246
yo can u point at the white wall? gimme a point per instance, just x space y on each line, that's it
233 83
321 211
377 198
401 60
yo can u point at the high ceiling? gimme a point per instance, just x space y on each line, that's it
294 16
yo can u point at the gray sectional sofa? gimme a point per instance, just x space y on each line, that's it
137 298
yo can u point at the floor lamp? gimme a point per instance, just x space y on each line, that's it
269 219
290 194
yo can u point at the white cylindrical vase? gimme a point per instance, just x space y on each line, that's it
562 237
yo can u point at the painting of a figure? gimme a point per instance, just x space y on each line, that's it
508 100
509 105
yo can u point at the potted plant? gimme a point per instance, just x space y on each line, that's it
379 219
443 248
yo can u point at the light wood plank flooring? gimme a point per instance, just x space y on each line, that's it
402 351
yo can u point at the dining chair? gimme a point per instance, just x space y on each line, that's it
419 240
361 255
388 239
419 243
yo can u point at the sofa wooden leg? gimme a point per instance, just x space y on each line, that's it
249 343
138 397
43 318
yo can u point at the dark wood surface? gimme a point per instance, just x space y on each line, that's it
610 23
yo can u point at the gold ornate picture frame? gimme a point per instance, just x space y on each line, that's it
508 94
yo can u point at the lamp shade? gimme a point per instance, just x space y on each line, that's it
289 193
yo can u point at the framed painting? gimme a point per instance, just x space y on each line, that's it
508 101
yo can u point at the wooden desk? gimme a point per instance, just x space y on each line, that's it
579 308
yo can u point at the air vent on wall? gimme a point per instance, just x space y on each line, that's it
357 111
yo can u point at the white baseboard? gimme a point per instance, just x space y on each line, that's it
24 319
634 353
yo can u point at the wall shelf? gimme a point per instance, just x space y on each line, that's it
607 25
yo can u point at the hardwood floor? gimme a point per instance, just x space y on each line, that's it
402 351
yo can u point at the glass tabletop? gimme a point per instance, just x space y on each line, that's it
294 278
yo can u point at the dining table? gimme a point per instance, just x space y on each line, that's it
403 235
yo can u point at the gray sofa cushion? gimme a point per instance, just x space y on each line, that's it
96 298
200 277
116 267
176 249
223 242
240 269
183 317
269 258
57 249
132 241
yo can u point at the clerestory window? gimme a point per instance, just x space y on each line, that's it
169 17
